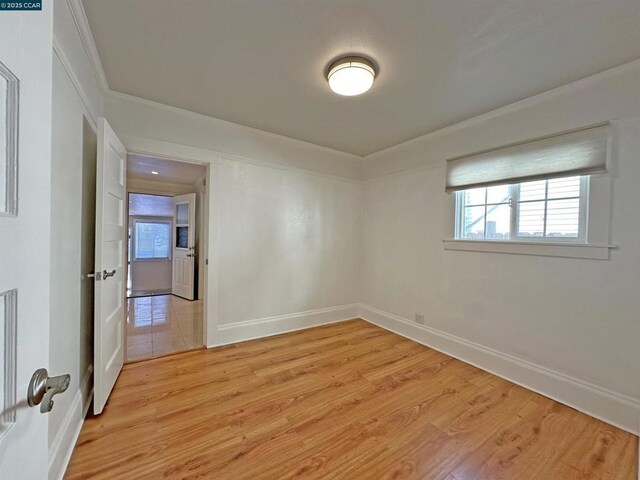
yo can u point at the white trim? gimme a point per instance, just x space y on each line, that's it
277 166
152 147
212 254
88 42
612 407
266 327
67 66
151 187
10 361
63 444
546 249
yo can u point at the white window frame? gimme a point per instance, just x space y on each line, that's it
514 203
595 246
168 221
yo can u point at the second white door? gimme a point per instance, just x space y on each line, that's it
184 250
109 274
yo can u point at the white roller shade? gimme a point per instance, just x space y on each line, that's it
580 152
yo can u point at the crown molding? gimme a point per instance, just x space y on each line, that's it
228 124
512 107
66 64
84 30
288 168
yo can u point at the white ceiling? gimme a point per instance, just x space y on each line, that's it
140 167
261 63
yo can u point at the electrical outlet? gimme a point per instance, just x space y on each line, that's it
420 318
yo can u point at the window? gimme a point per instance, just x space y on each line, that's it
535 197
152 239
552 210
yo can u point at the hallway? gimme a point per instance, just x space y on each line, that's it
160 325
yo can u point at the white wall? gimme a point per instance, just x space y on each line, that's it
76 96
285 219
575 318
133 116
289 241
151 276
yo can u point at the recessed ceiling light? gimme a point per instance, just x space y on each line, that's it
351 75
154 172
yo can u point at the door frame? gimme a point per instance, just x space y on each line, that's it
204 250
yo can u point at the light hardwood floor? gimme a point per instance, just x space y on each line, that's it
161 325
347 400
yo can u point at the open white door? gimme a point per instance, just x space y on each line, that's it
25 219
184 250
110 250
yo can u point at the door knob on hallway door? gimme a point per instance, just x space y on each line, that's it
106 274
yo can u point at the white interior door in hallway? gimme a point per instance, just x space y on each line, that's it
184 250
110 263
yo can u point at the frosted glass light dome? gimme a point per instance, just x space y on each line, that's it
351 76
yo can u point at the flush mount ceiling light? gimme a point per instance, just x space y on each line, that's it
351 76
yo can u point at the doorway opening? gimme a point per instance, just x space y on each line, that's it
167 230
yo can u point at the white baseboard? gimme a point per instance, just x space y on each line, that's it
62 446
266 327
614 408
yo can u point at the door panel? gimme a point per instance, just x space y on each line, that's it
25 246
110 284
184 250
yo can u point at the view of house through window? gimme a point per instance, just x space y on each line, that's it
551 209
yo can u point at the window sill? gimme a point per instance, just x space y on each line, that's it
546 249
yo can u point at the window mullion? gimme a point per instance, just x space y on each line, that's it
486 198
514 191
546 203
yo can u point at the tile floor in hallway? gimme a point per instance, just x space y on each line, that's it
161 325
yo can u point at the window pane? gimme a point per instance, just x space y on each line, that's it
152 240
475 196
498 222
141 204
182 213
532 190
563 218
564 187
182 237
531 219
498 194
543 209
474 222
